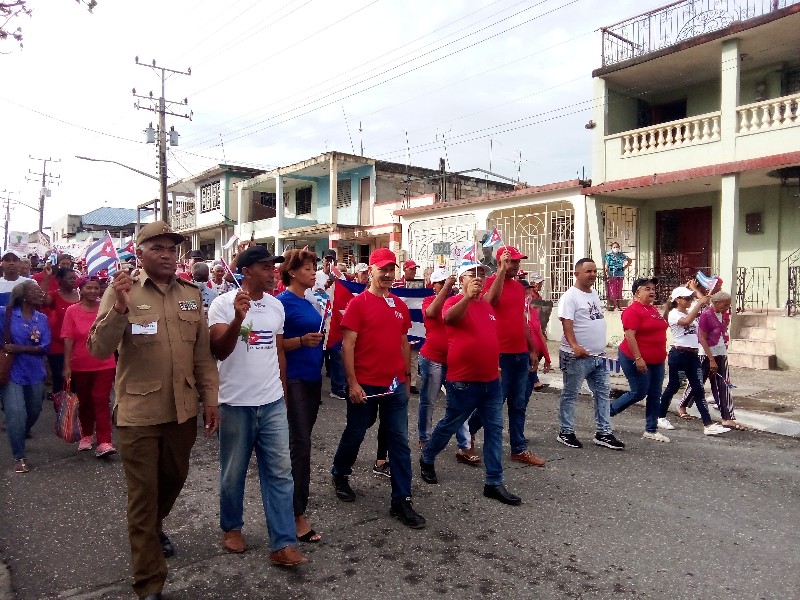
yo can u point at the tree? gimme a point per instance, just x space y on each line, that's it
9 11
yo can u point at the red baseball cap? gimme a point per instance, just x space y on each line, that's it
515 254
382 257
409 264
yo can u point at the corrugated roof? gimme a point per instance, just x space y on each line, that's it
109 217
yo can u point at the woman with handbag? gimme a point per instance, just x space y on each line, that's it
26 339
92 378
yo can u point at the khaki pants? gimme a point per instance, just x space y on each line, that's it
156 462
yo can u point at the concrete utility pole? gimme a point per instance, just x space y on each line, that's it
7 201
159 106
43 191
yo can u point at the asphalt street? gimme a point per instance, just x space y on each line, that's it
701 517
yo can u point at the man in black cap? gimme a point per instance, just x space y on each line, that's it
165 370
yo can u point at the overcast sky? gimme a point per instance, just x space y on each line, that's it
274 83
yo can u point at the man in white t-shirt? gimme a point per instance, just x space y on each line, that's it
247 340
581 357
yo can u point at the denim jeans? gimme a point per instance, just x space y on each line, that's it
464 398
533 379
393 410
574 372
264 429
335 368
22 405
642 384
689 363
432 376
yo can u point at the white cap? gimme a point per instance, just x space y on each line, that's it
11 251
680 292
536 277
360 268
470 267
439 274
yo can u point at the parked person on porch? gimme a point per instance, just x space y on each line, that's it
615 264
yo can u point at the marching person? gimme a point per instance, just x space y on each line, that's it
55 307
165 370
409 273
11 277
361 273
472 385
376 361
583 347
534 322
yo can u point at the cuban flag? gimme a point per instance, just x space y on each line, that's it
101 255
394 386
494 239
260 339
123 254
469 256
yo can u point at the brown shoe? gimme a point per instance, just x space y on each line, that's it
289 556
528 458
233 541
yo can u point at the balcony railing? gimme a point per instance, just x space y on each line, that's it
183 221
677 22
701 129
768 114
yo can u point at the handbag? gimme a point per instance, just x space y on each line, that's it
68 424
6 360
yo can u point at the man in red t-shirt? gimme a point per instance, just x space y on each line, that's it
472 381
517 350
376 363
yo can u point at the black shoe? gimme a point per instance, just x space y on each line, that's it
569 439
414 390
609 441
166 546
427 472
499 492
407 515
343 490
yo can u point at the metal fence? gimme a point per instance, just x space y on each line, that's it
752 289
793 282
677 22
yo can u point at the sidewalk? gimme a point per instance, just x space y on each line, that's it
764 400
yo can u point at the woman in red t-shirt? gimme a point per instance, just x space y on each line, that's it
642 354
92 377
56 304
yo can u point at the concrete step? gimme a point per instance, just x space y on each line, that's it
763 362
763 347
757 333
756 320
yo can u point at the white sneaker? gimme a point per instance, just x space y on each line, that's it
663 423
715 429
656 437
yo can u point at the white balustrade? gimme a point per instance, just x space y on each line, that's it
701 129
776 113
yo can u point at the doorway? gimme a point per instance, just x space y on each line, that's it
683 246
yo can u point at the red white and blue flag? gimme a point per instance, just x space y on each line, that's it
469 256
100 255
494 239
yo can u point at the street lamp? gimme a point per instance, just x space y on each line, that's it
150 175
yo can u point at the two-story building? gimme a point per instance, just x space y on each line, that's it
696 147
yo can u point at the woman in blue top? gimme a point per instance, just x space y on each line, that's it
302 342
28 344
616 263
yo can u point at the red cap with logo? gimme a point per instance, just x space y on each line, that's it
515 254
382 257
409 264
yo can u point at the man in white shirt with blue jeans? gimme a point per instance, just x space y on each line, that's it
581 358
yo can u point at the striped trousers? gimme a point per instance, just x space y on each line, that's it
719 387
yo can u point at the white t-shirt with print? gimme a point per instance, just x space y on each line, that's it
682 335
250 376
585 311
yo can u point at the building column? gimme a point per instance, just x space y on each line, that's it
279 214
244 207
729 100
600 94
333 174
394 241
594 224
579 234
729 235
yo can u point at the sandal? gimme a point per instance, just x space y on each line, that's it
734 425
22 466
310 537
686 416
468 459
540 387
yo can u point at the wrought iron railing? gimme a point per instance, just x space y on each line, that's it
752 289
677 22
793 281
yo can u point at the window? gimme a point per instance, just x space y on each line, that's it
209 197
302 201
344 193
268 199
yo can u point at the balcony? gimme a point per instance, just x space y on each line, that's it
691 131
768 115
678 22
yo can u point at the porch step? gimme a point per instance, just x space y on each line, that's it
763 362
756 320
757 333
761 347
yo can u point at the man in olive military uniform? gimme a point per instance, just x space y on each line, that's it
165 370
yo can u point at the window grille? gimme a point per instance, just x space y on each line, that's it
344 192
302 201
209 197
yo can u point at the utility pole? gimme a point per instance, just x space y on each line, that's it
43 191
7 201
159 106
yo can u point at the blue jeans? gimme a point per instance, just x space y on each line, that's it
264 429
464 398
574 372
533 379
641 384
393 411
689 363
22 405
333 358
432 376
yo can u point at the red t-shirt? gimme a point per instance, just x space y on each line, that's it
380 323
510 311
55 317
651 332
535 325
435 347
52 286
77 323
473 351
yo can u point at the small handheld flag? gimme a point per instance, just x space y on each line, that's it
326 315
494 239
100 255
392 389
228 270
707 282
728 383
